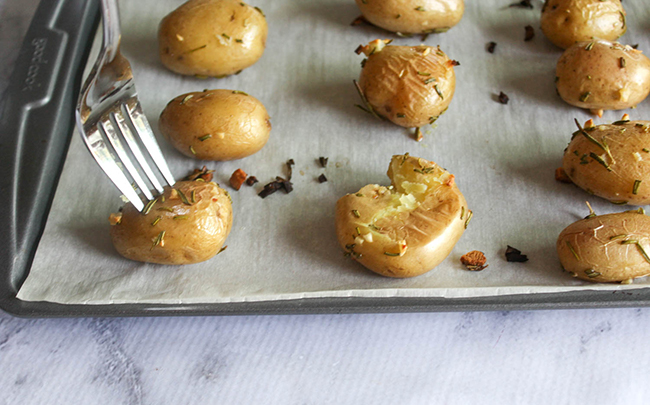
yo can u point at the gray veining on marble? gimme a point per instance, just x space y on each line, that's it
543 357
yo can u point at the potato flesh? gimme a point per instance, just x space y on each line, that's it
406 229
604 248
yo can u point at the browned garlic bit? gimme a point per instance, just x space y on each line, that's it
474 260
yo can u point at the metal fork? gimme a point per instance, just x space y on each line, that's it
108 110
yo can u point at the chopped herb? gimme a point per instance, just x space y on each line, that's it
222 249
155 221
192 150
424 73
180 217
420 8
431 80
530 33
585 96
419 137
491 46
359 195
439 92
623 235
635 188
462 212
589 46
470 214
193 196
186 98
356 213
225 35
622 62
322 178
503 98
183 197
621 122
323 161
251 180
239 40
239 92
600 160
391 254
575 254
368 107
260 11
514 255
522 4
168 209
205 137
197 49
400 115
147 208
159 240
591 273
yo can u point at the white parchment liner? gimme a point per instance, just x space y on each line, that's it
284 246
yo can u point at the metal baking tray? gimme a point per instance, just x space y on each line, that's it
36 128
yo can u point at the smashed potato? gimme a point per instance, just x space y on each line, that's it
410 86
413 16
408 228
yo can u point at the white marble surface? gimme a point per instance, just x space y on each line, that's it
523 357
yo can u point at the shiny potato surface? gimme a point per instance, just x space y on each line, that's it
212 38
413 16
188 223
607 248
565 22
407 229
410 86
216 124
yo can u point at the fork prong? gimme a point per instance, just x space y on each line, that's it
109 129
135 149
98 149
141 125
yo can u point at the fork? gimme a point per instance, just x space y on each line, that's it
112 124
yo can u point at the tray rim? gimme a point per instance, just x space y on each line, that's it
9 303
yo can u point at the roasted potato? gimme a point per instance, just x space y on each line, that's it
410 86
601 75
187 224
212 37
408 228
565 22
611 161
607 248
413 16
216 124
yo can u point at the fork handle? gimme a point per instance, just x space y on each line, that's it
36 123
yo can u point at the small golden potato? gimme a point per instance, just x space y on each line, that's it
413 16
408 228
189 223
410 86
212 37
601 75
611 161
565 22
216 124
607 248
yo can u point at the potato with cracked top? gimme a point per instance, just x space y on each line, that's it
611 161
413 16
212 38
565 22
406 229
600 75
410 86
607 248
188 223
216 124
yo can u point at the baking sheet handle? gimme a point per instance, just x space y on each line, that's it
36 123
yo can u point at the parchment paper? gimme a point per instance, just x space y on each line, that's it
284 246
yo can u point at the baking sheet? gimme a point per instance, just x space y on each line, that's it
284 246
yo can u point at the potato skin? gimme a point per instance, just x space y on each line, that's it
198 232
216 124
603 75
410 86
627 164
604 248
565 22
415 16
212 37
407 242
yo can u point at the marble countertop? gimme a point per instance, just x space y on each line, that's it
530 357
